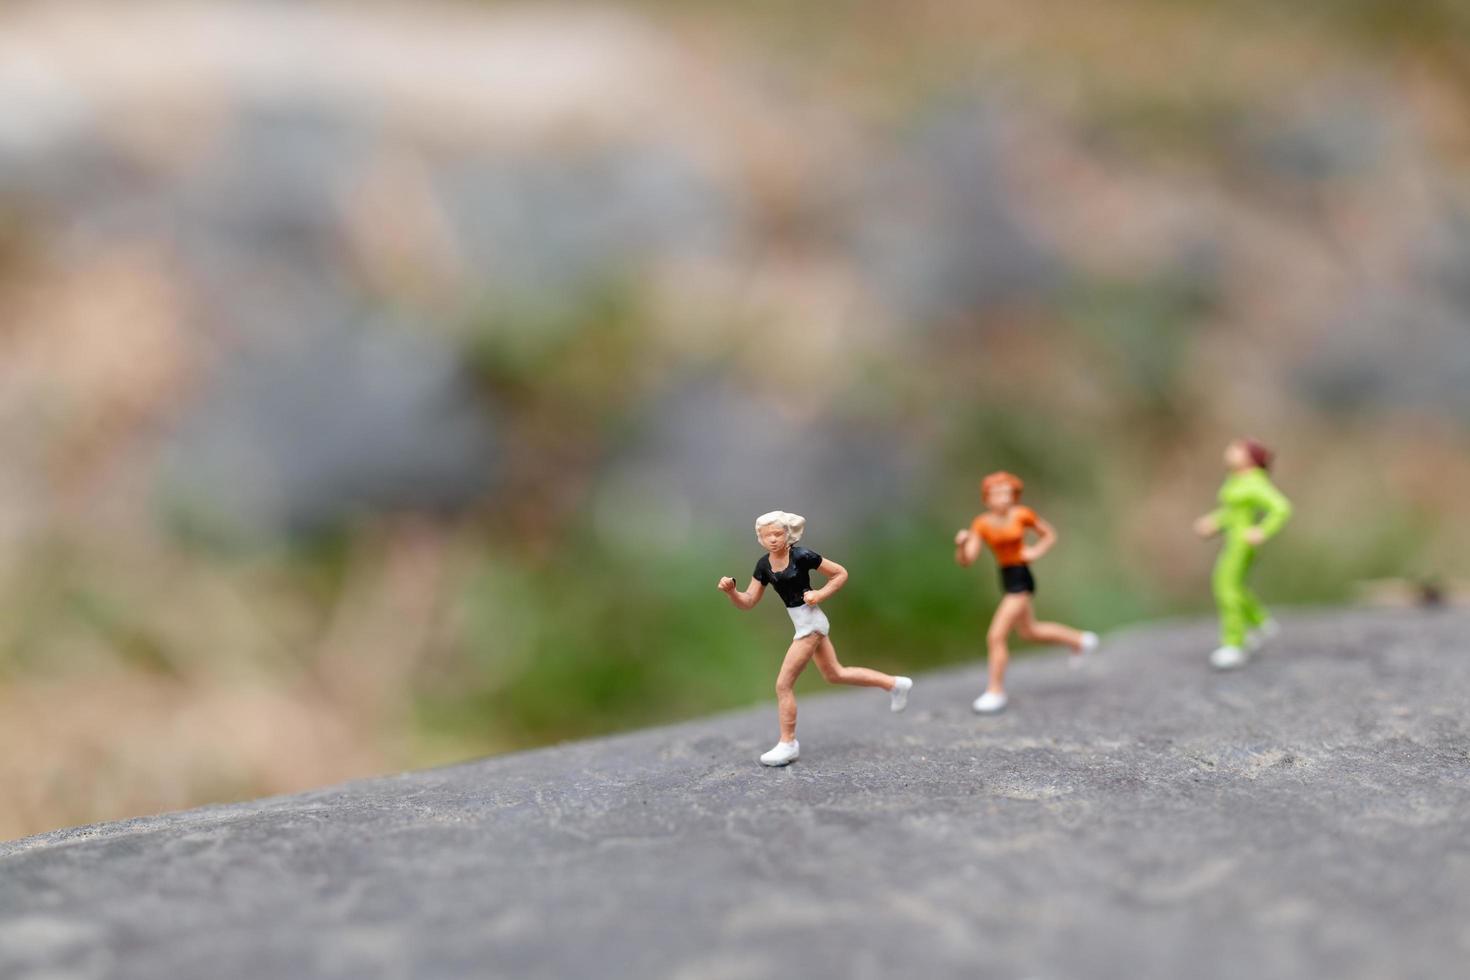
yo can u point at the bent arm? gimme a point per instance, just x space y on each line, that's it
1276 508
836 579
1046 536
967 548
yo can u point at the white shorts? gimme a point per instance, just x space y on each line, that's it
809 620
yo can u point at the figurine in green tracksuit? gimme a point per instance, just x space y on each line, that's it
1251 511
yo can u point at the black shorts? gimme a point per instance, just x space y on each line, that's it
1016 578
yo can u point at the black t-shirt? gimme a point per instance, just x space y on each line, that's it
793 581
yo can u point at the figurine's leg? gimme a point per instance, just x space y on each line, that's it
797 656
835 673
1031 629
1254 612
1006 614
1230 593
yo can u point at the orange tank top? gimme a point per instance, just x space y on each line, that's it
1005 538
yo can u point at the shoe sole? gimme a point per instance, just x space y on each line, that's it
778 765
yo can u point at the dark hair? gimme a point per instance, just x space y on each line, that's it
1258 453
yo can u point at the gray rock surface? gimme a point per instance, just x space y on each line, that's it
1307 817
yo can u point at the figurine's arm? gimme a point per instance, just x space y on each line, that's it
746 599
1276 510
1046 536
967 547
1209 525
836 579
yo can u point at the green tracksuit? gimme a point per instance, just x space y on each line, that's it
1244 498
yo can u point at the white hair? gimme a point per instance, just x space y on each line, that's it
793 523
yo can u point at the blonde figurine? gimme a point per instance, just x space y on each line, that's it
787 568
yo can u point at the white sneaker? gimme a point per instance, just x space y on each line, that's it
900 694
990 703
1089 645
783 754
1228 658
1263 634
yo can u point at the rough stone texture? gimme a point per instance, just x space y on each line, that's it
1308 817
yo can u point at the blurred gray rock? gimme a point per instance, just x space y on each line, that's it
534 226
1404 345
715 456
1393 350
934 225
1339 130
347 419
1447 258
258 224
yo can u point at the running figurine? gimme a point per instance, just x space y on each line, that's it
788 569
1003 527
1251 511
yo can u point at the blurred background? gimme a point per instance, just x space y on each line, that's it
383 385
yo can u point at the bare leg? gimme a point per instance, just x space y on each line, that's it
797 656
1010 609
835 673
1030 629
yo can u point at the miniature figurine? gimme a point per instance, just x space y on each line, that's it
1251 511
788 569
1003 527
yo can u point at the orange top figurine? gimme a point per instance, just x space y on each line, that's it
1002 528
1008 539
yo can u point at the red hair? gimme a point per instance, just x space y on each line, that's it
1258 453
1001 478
